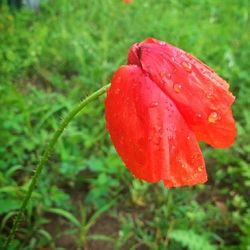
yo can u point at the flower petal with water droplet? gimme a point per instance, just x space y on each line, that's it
157 143
159 106
202 91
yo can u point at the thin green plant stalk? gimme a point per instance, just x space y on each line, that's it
45 156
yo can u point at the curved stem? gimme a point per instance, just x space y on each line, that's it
46 154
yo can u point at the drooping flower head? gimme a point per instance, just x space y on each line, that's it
159 106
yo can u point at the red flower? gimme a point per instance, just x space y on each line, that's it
159 105
127 1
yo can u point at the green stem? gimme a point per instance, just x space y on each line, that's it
46 154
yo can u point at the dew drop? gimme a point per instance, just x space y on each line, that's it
187 66
213 117
188 137
182 164
154 104
165 77
177 87
209 95
156 135
196 158
200 169
197 117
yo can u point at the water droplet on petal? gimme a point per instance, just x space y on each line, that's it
165 74
154 104
177 87
200 169
197 117
156 135
196 159
188 137
187 66
182 163
209 95
165 77
213 117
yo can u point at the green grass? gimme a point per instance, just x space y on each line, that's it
86 199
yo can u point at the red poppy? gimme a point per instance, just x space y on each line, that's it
127 1
159 106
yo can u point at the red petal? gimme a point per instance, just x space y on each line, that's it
149 133
201 96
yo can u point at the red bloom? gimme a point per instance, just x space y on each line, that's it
127 1
157 108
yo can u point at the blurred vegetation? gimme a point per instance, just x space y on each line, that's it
86 199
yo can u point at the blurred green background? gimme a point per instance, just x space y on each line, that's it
86 199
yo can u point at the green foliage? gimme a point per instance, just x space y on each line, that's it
245 228
8 205
50 60
191 240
